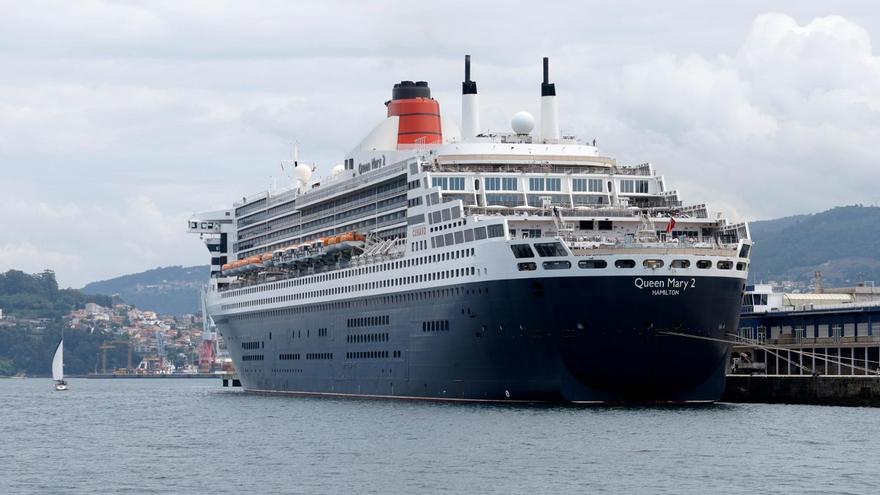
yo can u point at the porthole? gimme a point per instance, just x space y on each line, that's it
527 267
592 264
625 264
653 263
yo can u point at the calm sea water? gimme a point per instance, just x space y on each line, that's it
192 436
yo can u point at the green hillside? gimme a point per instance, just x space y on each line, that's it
33 307
170 290
38 296
843 243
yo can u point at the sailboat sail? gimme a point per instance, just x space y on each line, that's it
58 362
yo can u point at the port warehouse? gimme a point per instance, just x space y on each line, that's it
833 340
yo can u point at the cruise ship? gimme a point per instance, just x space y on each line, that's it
444 262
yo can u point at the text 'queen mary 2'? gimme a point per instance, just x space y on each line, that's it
447 263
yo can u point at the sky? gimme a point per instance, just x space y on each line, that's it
118 120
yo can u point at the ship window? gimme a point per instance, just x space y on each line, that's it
605 225
522 251
495 230
527 267
592 264
554 184
493 183
586 225
653 263
625 264
725 265
680 264
550 249
557 265
741 266
704 264
536 184
508 183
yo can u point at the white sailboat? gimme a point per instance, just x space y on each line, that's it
58 367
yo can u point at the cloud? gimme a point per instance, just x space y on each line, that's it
86 242
780 127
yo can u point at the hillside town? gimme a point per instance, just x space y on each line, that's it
153 343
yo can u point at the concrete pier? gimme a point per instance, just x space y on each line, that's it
852 390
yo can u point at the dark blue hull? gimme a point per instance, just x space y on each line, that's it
565 339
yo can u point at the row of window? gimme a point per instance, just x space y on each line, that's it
287 370
500 183
307 222
542 184
367 338
649 263
586 185
356 272
448 226
435 326
633 186
252 357
319 355
368 321
545 249
364 302
371 355
288 357
545 184
448 183
250 345
367 195
392 282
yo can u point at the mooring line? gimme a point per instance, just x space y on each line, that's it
768 349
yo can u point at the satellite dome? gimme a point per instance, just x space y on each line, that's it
336 170
302 173
522 123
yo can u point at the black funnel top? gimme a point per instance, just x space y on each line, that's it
468 87
407 90
547 88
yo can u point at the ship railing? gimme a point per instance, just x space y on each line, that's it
532 211
597 244
313 195
382 255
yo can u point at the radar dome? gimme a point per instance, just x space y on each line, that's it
302 173
522 123
336 170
